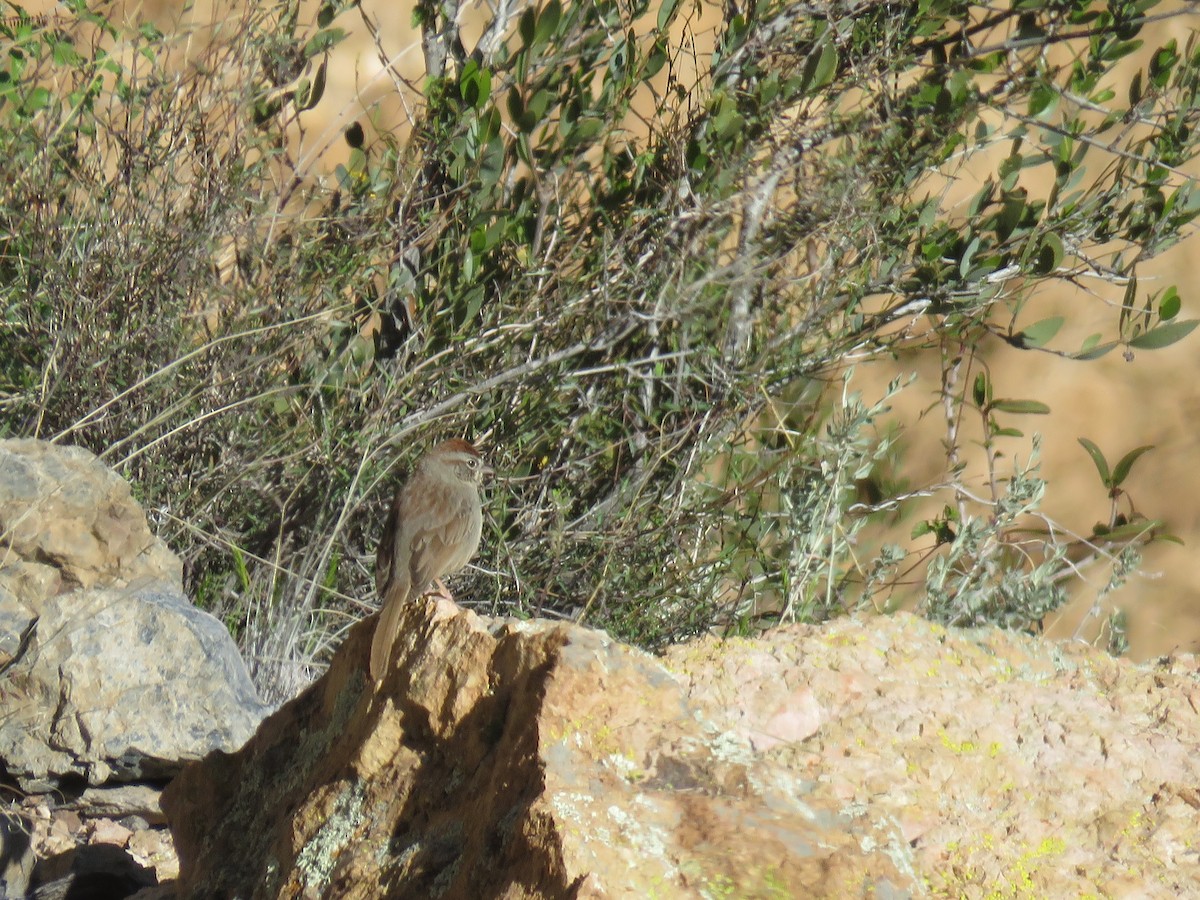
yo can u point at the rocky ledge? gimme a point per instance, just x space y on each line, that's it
884 757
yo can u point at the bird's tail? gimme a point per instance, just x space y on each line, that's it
387 628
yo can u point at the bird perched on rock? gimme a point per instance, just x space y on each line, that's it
432 530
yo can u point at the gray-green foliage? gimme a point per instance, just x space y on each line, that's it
632 263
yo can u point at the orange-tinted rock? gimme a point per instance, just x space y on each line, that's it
523 761
863 757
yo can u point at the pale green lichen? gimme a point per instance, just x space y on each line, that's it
319 855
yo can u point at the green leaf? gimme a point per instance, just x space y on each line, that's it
1127 302
38 98
1039 333
1131 530
666 12
481 89
1121 469
1119 50
1095 351
1042 100
1011 212
1163 62
1135 88
964 265
1098 459
655 60
820 66
1164 335
1009 169
538 104
725 120
1029 28
516 104
527 25
309 95
1020 407
1169 304
1049 255
65 54
322 41
547 22
239 566
1006 432
979 391
983 199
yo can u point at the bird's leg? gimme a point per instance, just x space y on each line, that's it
438 591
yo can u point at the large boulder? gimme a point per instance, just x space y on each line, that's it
882 757
513 760
110 673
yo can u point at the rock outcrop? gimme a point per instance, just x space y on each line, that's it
67 522
111 674
511 761
1013 766
109 679
880 757
884 757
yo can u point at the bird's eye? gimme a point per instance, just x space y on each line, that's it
472 462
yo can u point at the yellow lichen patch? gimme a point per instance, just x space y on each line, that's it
1019 880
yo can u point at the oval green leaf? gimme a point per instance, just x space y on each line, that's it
1020 407
1049 255
1169 305
316 90
547 22
1098 459
666 13
1039 333
1094 351
1140 528
821 65
1164 335
1121 469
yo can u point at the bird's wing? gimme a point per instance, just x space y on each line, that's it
385 557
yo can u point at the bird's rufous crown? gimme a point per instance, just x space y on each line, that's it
458 445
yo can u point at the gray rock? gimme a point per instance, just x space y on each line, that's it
126 802
109 672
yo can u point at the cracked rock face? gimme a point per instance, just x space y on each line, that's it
112 674
511 760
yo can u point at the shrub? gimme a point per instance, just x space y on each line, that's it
638 268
